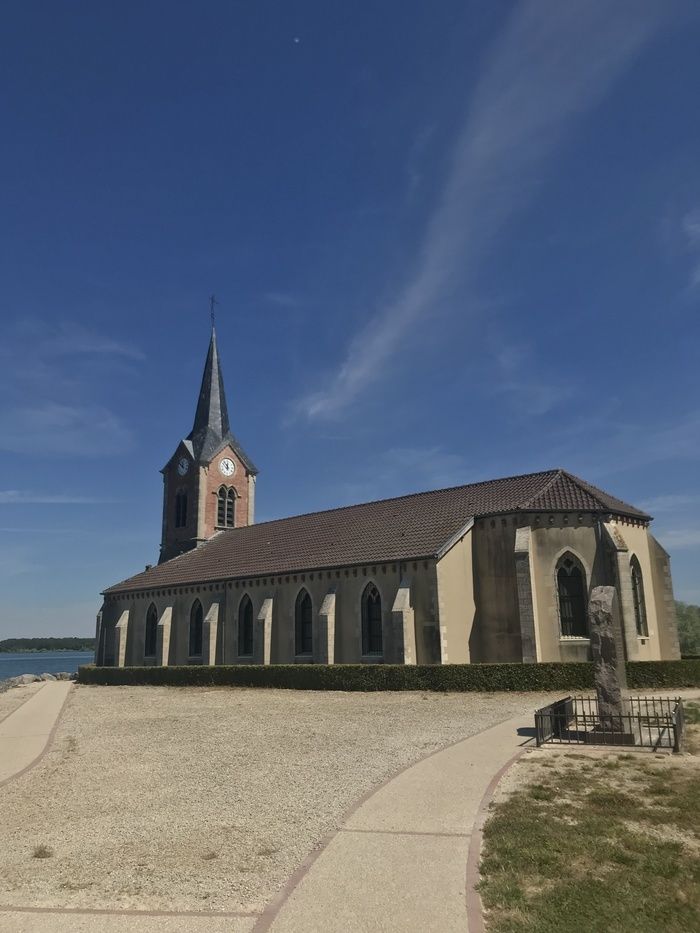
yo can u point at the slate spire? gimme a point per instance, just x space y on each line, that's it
211 423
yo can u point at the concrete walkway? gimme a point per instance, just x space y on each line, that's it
27 732
399 862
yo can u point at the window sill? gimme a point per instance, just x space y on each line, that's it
575 639
371 659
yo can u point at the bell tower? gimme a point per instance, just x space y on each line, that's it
209 482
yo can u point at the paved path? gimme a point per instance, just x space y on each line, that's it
398 862
26 733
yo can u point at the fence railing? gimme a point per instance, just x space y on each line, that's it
646 722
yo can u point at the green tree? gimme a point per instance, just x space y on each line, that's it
688 628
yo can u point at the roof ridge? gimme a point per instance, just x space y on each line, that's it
597 493
540 492
408 495
591 490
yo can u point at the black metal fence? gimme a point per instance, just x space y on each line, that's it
647 722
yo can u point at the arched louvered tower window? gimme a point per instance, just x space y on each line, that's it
196 626
640 609
571 590
226 507
372 640
151 632
303 624
245 627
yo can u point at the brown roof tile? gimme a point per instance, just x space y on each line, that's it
401 529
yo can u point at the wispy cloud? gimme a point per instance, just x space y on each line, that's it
521 379
680 538
553 62
49 427
600 445
400 470
50 380
691 230
668 503
23 497
44 340
282 299
16 560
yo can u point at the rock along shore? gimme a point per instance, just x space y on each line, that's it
24 679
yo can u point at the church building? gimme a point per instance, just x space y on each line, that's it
499 570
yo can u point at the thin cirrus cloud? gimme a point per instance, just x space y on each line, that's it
49 427
680 538
46 378
691 229
23 497
42 340
552 63
669 503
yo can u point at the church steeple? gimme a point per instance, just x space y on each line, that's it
209 482
211 423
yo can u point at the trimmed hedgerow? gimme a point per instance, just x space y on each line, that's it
683 673
370 677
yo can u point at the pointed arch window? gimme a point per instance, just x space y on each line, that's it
571 590
303 624
196 626
180 508
372 641
245 628
149 650
640 609
226 507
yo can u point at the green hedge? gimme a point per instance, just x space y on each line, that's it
453 677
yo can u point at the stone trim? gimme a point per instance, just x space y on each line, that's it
121 632
163 637
403 625
262 636
628 622
325 641
210 629
526 607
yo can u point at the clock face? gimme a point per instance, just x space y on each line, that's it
227 466
183 465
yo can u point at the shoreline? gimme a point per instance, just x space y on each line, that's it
47 651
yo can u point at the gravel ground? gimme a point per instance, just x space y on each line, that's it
160 798
13 697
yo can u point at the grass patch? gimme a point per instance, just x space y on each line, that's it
615 848
42 851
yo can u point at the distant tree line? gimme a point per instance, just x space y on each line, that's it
47 644
688 628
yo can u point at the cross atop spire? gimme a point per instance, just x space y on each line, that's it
212 303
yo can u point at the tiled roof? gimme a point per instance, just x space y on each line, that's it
406 528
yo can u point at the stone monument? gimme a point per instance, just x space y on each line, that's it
609 672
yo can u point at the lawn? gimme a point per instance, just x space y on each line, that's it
596 842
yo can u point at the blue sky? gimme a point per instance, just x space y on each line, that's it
450 241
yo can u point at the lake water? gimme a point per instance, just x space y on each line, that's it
14 663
